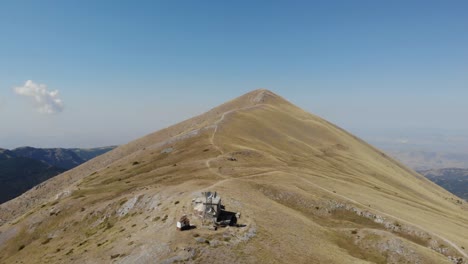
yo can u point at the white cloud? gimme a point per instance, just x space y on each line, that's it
44 100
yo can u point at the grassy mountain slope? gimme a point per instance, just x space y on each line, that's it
308 192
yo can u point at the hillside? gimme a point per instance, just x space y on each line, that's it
452 179
6 154
23 168
18 174
307 191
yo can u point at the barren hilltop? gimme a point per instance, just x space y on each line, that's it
306 190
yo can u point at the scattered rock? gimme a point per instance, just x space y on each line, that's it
215 243
200 240
249 234
54 211
63 194
167 150
127 206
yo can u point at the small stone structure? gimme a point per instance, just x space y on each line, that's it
209 208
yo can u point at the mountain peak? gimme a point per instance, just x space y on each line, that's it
264 96
302 185
251 99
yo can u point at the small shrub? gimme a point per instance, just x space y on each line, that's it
135 163
21 247
108 226
47 240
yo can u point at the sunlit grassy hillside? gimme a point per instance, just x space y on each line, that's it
307 191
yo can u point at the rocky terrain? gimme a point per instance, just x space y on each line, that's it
307 191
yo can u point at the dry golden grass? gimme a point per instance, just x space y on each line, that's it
308 192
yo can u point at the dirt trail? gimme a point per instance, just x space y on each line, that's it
221 119
216 125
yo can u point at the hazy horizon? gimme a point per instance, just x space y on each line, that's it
87 74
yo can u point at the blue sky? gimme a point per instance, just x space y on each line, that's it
123 69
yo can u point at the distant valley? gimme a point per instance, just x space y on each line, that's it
25 167
447 169
452 179
421 160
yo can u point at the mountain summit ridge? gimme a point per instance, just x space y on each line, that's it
308 192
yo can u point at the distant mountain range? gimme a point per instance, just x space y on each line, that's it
25 167
452 179
422 160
